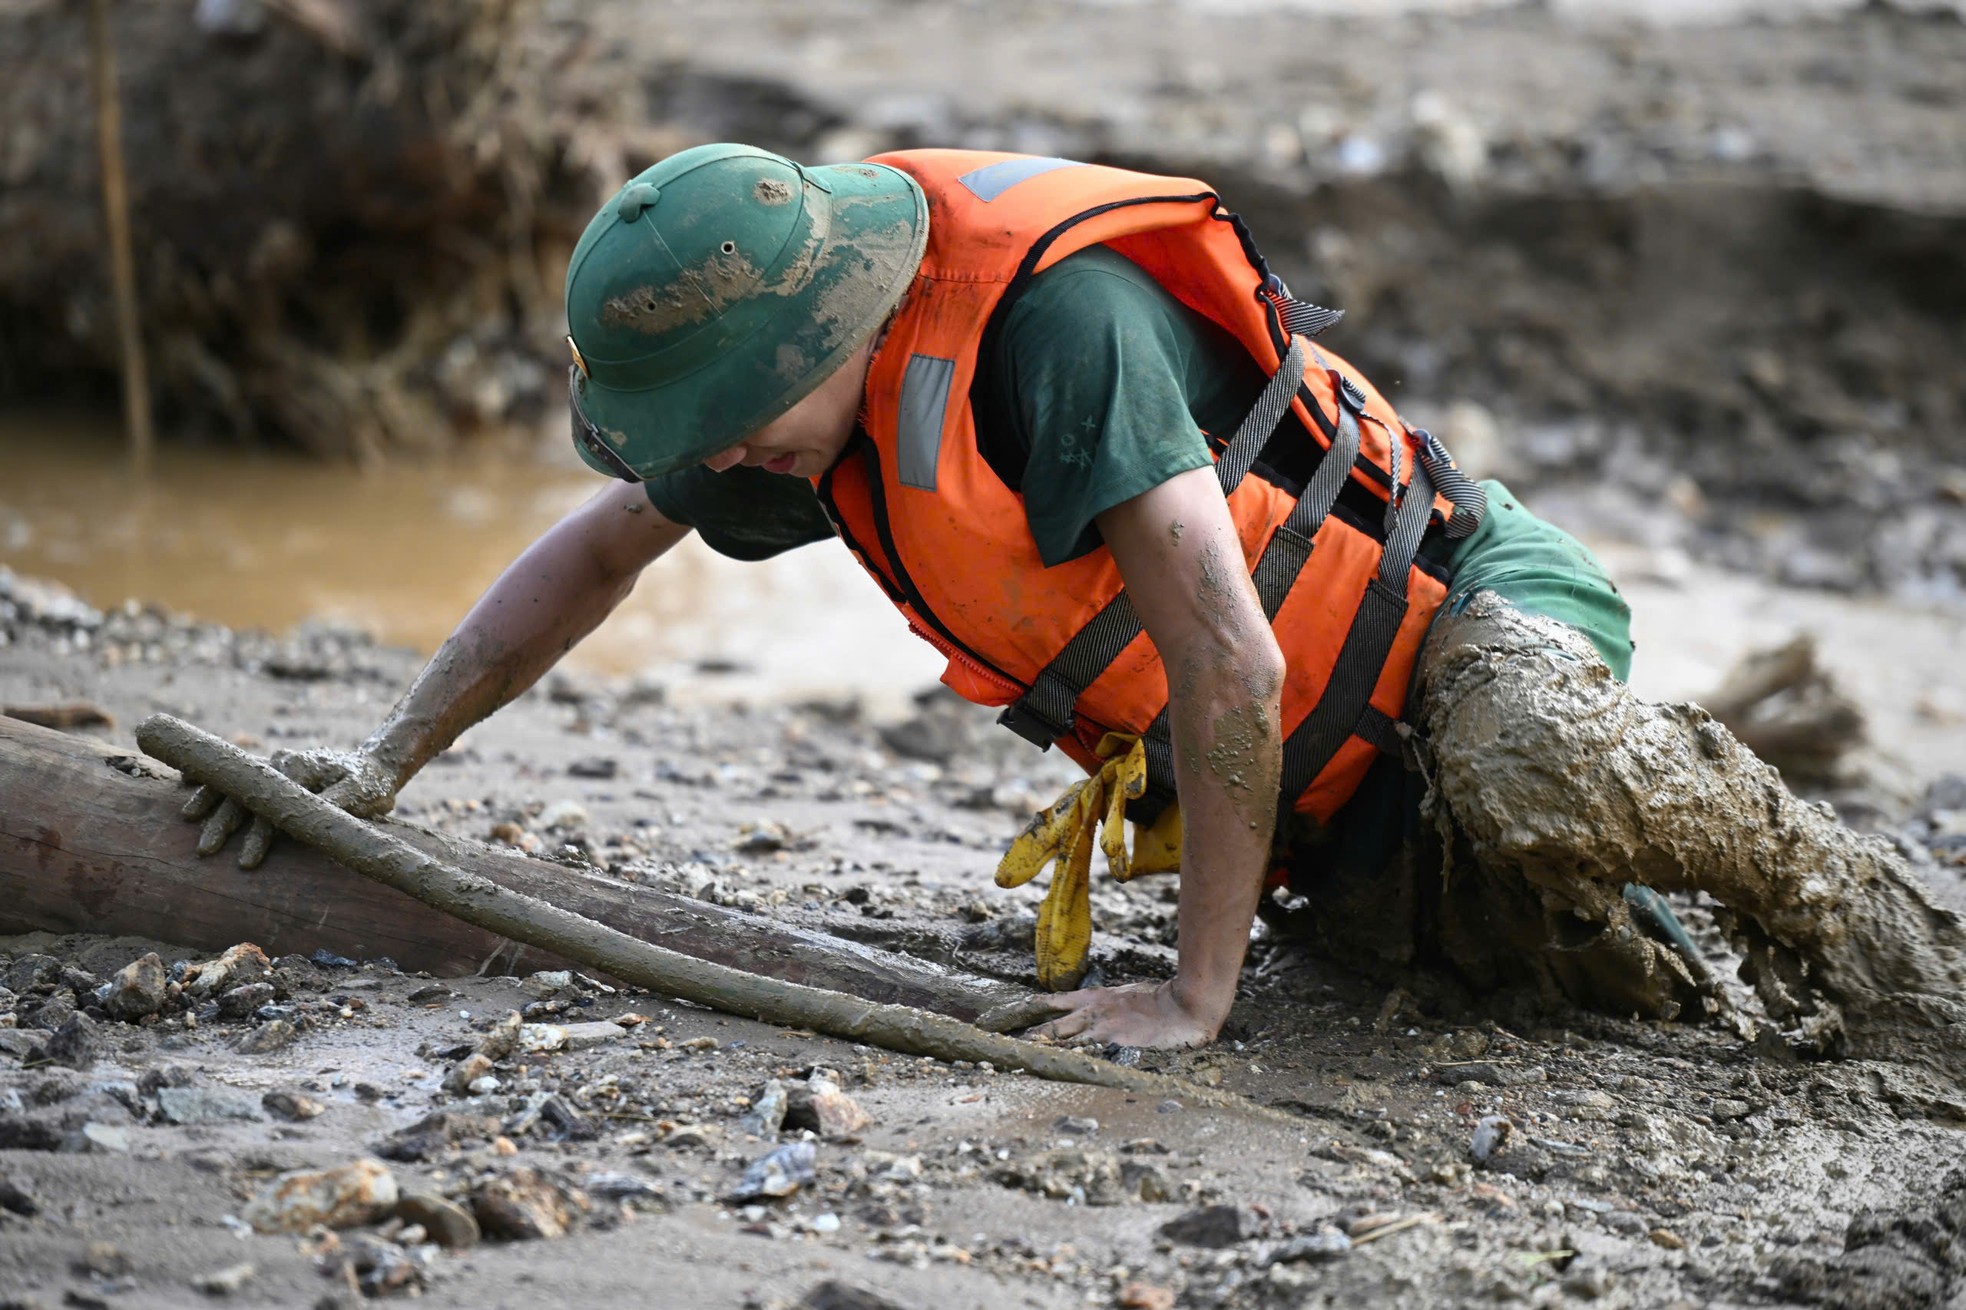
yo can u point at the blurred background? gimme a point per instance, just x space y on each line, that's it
1688 274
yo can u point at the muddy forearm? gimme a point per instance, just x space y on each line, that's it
549 598
1228 756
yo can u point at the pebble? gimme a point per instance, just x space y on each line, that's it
1214 1226
1076 1125
293 1202
292 1106
274 1035
1146 1296
105 1137
821 1107
525 1205
1489 1073
447 1223
563 814
226 1281
778 1172
75 1044
186 1106
466 1072
1324 1244
139 988
767 1113
549 983
1489 1136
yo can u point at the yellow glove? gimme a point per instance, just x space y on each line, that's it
1064 832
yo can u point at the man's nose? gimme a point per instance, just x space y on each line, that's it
724 459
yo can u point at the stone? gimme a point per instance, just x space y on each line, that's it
19 1042
244 963
1075 1175
448 1224
549 983
186 1106
465 1072
586 1036
1146 1296
291 1106
525 1205
75 1044
15 1199
140 988
1074 1125
238 1002
103 1260
107 1138
1324 1244
274 1035
1214 1226
30 970
777 1173
541 1038
821 1107
293 1202
562 814
767 1114
226 1281
502 1038
835 1295
1490 1134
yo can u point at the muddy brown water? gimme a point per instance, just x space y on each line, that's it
255 539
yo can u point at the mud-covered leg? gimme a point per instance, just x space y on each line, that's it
1555 772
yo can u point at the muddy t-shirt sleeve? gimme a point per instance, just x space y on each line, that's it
1101 386
745 513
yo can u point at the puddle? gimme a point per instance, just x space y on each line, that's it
256 539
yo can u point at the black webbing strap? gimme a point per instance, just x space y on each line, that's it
1342 708
1045 713
1290 545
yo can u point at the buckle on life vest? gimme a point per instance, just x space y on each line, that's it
1033 724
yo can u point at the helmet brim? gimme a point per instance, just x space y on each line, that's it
878 229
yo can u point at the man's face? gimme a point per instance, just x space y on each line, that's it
806 439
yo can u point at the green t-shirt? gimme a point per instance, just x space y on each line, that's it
1097 389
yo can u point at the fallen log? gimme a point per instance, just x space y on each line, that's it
91 841
371 850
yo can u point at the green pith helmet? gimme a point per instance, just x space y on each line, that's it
718 288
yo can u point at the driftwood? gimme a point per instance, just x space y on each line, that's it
91 841
371 850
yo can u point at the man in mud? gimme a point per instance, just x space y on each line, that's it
1074 429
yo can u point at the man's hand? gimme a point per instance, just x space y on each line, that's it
354 780
1138 1014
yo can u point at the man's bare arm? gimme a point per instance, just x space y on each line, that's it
553 595
1178 552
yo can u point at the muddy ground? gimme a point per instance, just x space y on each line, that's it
1642 1164
1698 288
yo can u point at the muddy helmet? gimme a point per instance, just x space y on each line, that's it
719 287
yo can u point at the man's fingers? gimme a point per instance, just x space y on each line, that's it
259 838
203 801
223 823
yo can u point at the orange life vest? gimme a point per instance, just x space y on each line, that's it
947 539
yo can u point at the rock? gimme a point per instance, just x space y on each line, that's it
821 1107
238 1002
448 1224
139 988
54 1011
563 814
540 1038
19 1042
291 1106
244 963
598 766
75 1044
465 1072
103 1260
355 1193
549 983
586 1036
186 1106
525 1205
1324 1244
767 1113
274 1035
611 1186
16 1200
835 1295
31 970
1073 1125
105 1137
1489 1136
502 1038
779 1172
226 1281
1488 1072
1081 1177
22 1133
1214 1226
1666 1239
1726 1108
